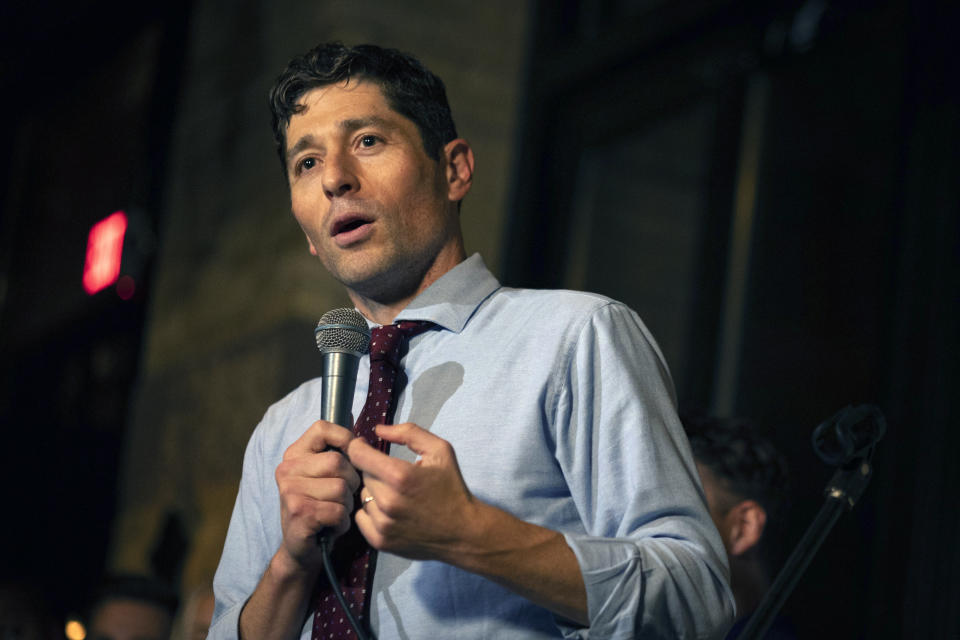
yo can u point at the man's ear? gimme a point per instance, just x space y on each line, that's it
744 523
458 157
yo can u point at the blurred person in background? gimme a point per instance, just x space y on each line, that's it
132 607
746 482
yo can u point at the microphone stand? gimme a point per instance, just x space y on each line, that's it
856 443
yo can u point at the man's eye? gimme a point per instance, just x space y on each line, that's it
368 141
307 163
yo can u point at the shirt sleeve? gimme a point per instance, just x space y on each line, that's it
652 561
247 549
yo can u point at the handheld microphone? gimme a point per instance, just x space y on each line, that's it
342 337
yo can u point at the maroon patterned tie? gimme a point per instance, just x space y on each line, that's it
353 559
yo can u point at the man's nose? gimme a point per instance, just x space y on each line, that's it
339 175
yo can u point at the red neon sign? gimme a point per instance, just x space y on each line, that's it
104 250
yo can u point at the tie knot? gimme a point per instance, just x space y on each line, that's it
385 341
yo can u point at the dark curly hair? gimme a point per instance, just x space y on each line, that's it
409 88
746 463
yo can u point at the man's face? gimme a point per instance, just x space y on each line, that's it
373 205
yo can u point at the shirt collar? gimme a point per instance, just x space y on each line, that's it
452 299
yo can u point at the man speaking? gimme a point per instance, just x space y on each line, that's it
516 469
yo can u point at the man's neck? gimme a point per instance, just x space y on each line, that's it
749 582
384 312
376 312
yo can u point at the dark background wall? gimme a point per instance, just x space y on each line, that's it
773 186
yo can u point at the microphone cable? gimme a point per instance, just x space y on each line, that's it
362 634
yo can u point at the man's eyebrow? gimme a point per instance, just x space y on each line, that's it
304 142
347 126
354 124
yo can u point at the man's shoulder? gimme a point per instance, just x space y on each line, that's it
300 394
560 300
289 416
553 306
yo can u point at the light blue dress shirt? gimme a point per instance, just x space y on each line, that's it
561 411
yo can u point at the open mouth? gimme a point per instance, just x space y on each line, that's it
349 224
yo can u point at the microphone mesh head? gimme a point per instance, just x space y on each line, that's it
342 330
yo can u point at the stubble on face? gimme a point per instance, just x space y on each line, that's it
395 259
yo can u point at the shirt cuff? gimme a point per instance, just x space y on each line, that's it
664 587
610 570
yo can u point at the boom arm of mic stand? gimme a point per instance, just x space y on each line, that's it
842 492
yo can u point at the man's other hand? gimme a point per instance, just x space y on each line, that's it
418 510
